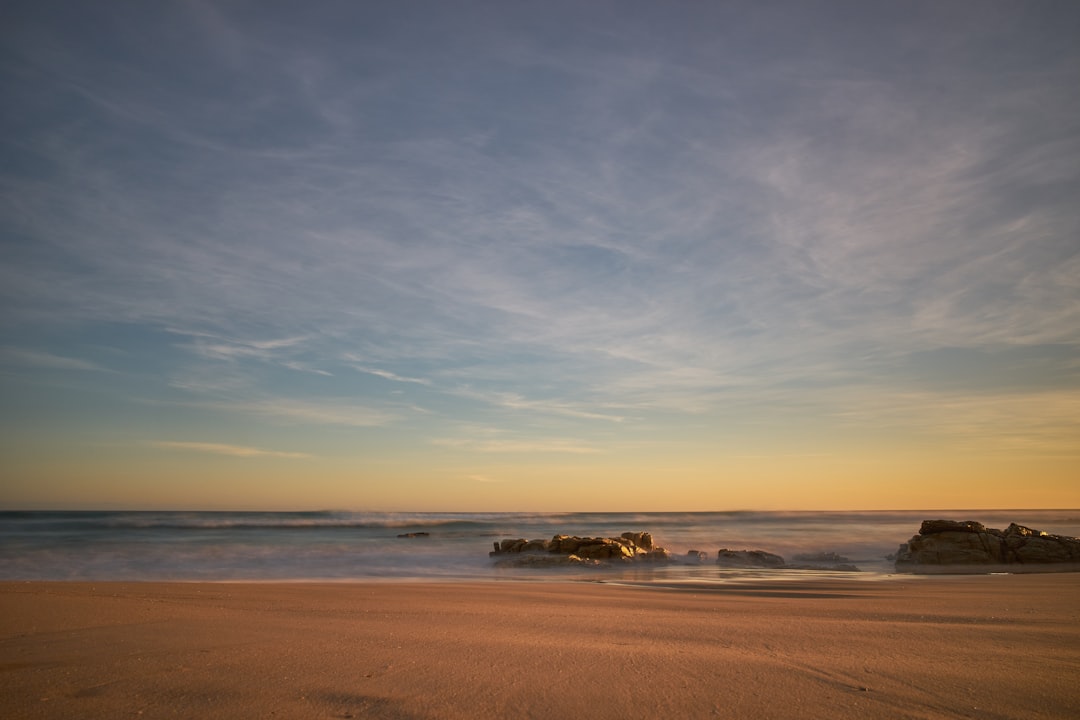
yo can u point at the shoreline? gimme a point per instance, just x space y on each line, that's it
175 546
934 646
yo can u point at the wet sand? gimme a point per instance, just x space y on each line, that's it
942 647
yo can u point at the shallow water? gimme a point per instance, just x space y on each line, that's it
343 546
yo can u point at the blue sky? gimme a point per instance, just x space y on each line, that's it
431 254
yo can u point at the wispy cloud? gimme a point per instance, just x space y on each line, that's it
222 348
506 445
224 449
682 217
387 375
514 401
310 411
39 359
302 367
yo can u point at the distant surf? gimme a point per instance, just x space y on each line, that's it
343 546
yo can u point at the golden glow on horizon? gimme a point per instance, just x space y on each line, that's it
145 478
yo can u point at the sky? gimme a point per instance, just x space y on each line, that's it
539 256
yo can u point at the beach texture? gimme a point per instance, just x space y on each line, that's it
963 647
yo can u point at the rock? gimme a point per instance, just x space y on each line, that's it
1021 531
932 527
761 559
414 535
542 561
642 540
564 544
598 551
951 546
511 545
629 547
638 547
657 555
606 549
748 559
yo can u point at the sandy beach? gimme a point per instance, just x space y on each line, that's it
978 647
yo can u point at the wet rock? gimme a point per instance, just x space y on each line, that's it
932 527
629 547
760 559
545 561
608 549
511 545
657 555
642 540
968 546
564 544
748 559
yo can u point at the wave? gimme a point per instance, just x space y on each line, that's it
362 544
255 520
488 522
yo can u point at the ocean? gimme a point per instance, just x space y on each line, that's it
366 546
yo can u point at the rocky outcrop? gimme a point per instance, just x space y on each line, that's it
574 550
968 546
748 559
634 547
534 560
761 559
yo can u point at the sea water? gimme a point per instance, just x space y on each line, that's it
344 546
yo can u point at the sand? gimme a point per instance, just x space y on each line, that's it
963 647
